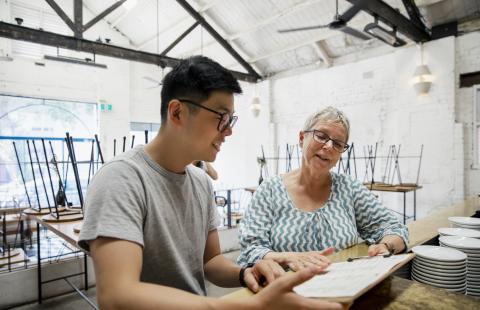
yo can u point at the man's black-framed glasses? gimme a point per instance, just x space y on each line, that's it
225 119
323 139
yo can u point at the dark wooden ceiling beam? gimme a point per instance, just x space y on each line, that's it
16 32
392 17
78 18
219 38
103 14
180 38
61 14
414 13
77 24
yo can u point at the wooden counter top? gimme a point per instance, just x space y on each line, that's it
398 293
64 230
426 228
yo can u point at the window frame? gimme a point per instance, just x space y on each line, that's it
476 128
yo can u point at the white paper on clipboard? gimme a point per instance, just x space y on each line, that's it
350 279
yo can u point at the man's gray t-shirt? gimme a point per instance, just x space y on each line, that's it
170 215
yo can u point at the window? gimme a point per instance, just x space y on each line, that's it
26 118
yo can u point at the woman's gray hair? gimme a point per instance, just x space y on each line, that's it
328 115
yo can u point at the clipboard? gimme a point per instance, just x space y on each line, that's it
346 281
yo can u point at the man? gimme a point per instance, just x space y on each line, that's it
150 224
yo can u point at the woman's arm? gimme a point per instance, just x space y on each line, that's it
211 171
375 223
256 225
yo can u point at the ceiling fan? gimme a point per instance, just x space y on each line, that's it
157 83
339 23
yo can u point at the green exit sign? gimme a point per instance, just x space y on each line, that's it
105 107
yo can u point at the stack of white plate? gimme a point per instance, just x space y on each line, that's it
465 222
441 267
462 232
471 247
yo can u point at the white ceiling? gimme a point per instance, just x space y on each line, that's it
250 26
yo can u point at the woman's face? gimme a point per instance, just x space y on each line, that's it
319 156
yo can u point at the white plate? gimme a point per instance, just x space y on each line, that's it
465 226
450 278
473 285
456 290
439 272
463 220
442 283
472 254
474 291
431 252
461 242
463 232
439 264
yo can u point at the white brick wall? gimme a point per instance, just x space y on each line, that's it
378 96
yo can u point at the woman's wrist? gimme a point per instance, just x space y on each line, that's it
390 247
279 257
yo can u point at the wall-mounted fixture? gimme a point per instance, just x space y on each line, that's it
6 57
387 36
422 77
255 107
78 61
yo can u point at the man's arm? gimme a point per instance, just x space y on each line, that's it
223 272
118 264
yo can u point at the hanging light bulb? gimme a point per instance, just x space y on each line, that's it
255 107
422 77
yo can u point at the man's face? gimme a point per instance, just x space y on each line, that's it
204 137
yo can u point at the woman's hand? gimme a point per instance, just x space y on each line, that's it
300 260
376 249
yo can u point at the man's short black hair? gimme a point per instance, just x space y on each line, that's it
195 78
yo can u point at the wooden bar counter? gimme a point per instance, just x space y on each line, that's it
399 293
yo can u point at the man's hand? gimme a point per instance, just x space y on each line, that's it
262 273
280 295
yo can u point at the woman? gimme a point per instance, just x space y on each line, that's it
207 167
298 218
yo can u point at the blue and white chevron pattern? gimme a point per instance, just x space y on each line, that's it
272 223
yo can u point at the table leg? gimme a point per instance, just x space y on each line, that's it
85 269
414 204
229 209
4 233
404 208
39 266
22 233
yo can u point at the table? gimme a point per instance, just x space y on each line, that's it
397 293
399 189
66 231
4 212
